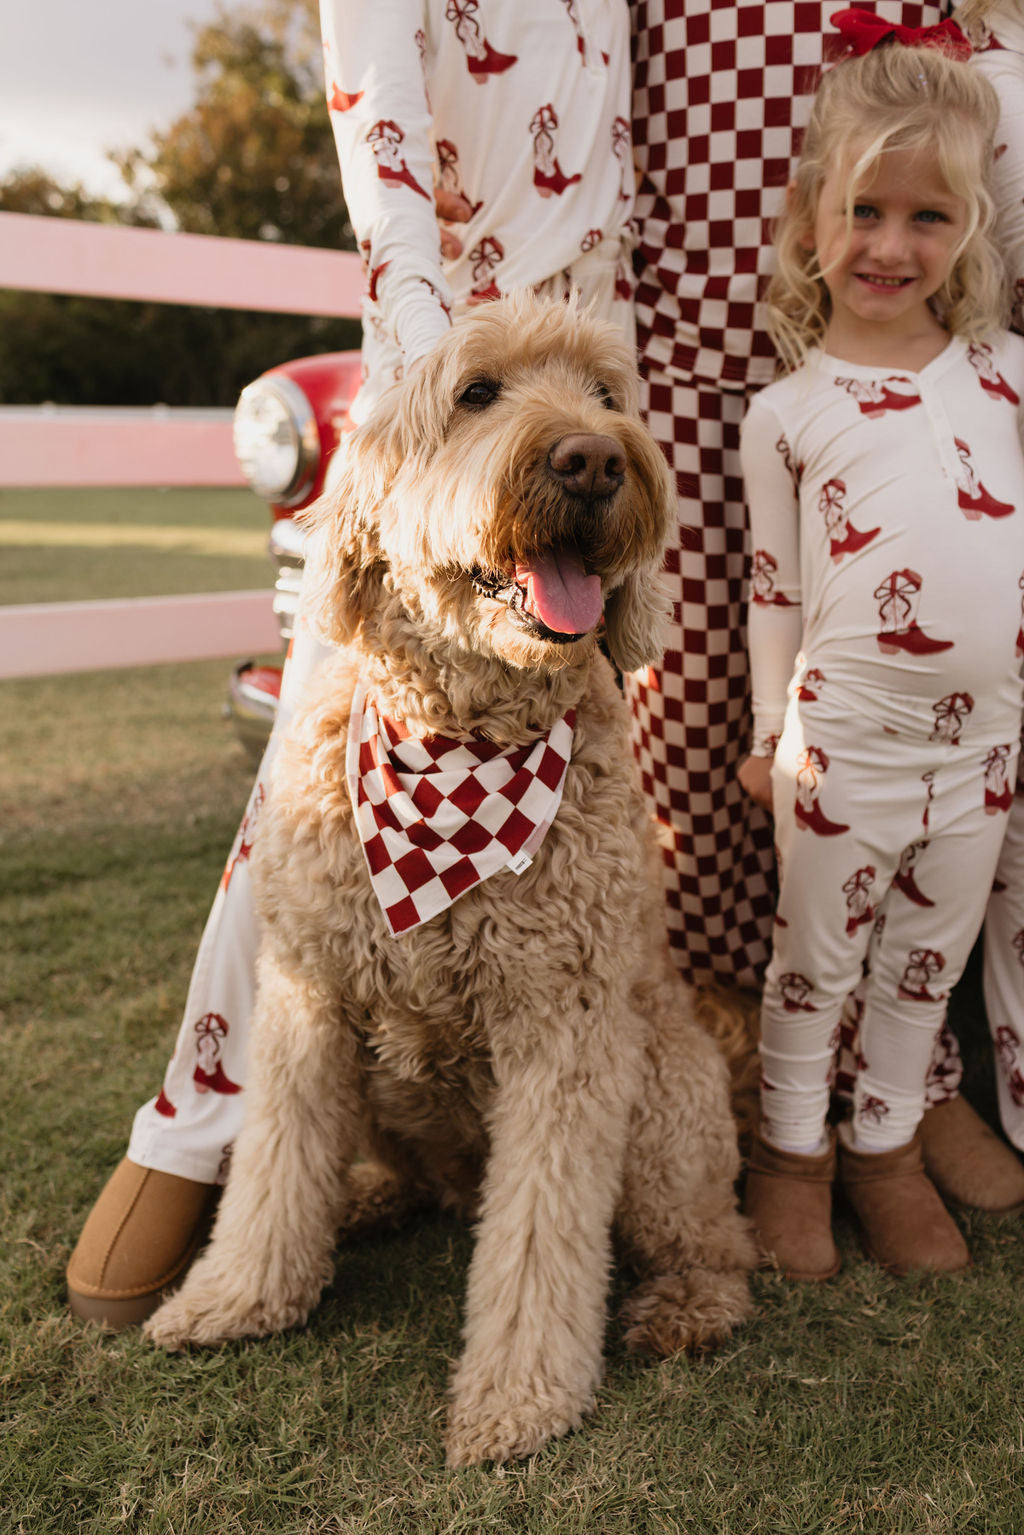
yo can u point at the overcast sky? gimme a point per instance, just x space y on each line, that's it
77 78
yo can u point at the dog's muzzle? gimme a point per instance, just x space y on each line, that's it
552 596
502 588
548 596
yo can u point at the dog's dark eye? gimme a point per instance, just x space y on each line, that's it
606 397
481 392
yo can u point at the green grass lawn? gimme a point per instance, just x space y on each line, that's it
868 1404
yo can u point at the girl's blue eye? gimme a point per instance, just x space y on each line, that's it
931 216
863 211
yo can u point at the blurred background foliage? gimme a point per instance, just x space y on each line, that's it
253 158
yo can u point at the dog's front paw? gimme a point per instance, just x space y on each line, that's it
495 1425
209 1309
689 1312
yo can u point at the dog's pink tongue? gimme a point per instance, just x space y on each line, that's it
560 593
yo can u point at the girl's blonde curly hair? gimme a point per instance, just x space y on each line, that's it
893 98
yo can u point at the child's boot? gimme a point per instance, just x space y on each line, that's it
141 1236
788 1200
967 1161
904 1224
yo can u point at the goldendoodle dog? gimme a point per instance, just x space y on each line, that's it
463 986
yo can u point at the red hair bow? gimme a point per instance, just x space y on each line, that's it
863 30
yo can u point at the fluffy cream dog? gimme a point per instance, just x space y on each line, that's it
526 1052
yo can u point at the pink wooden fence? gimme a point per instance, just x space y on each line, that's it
109 261
54 446
40 447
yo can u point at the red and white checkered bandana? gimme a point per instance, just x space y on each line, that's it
436 815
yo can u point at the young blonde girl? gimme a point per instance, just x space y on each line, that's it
885 478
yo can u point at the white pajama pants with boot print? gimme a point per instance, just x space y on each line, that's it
1004 973
883 842
190 1127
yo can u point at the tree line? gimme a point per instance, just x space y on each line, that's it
252 158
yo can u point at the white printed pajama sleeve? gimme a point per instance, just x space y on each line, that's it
775 609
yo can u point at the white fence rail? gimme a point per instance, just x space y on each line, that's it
54 446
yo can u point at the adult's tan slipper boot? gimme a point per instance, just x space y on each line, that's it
140 1237
967 1161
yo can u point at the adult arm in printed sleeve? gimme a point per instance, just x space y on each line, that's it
382 127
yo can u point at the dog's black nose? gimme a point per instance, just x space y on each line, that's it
588 464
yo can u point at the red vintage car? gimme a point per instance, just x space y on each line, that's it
287 425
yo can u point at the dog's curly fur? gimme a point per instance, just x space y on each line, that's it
529 1054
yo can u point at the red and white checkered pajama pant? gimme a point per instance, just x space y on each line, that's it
691 714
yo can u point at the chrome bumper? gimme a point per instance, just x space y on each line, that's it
254 690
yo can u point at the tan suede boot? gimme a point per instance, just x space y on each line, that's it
967 1161
788 1200
904 1224
140 1237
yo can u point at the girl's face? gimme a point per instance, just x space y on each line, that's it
883 267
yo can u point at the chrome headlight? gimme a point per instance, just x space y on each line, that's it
276 440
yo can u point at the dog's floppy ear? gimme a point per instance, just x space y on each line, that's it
635 615
344 563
